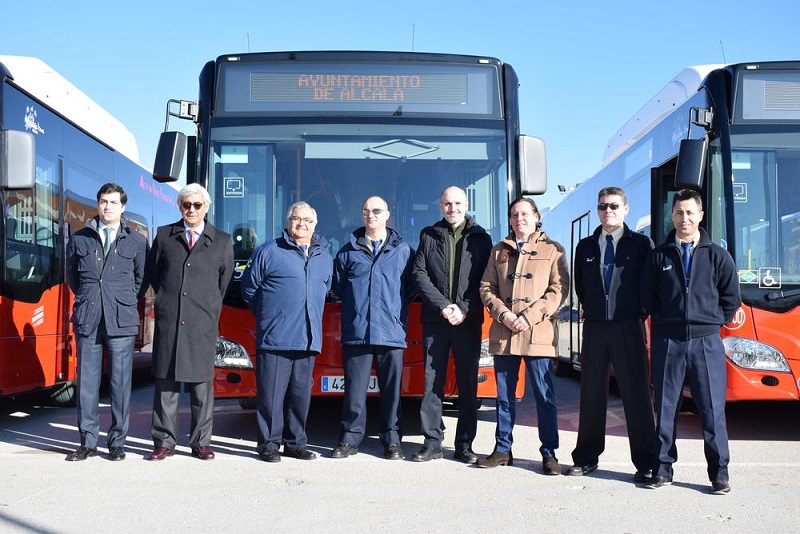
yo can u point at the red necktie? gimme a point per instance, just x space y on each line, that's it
191 238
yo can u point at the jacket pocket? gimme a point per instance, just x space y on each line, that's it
127 311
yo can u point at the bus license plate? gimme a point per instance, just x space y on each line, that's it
335 384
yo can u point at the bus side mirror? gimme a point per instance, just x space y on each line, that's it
691 164
169 156
532 159
17 160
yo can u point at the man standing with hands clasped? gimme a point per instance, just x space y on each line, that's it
607 280
372 276
690 288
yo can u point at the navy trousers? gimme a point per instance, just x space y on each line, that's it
621 344
357 361
283 397
701 362
90 373
465 341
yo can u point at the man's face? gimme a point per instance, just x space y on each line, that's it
523 220
110 208
301 225
612 211
686 217
454 206
375 213
193 210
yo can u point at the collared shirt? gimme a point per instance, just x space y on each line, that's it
197 231
678 242
369 240
616 235
102 232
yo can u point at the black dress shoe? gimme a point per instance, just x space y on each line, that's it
580 470
426 454
115 454
343 450
657 482
642 476
272 457
81 454
393 452
204 453
720 487
301 454
466 456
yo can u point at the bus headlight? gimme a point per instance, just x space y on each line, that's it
749 354
231 355
486 359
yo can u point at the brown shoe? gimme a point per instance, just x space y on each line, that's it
159 453
204 453
495 459
550 466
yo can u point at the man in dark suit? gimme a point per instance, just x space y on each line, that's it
607 279
189 267
105 270
690 288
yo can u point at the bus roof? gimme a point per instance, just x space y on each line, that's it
675 93
40 80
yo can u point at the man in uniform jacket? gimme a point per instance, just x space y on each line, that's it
372 276
105 270
447 270
613 334
189 267
284 285
690 288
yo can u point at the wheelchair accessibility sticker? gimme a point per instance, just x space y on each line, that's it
765 277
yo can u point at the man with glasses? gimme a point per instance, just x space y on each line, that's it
105 270
372 276
607 272
189 267
447 271
284 285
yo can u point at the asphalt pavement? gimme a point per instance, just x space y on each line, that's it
236 492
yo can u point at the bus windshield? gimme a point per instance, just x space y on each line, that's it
258 170
766 208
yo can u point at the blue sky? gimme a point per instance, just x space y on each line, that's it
585 67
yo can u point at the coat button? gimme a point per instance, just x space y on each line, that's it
185 293
183 323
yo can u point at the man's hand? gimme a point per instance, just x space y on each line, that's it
453 314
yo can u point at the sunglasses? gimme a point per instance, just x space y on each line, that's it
295 219
603 206
376 211
197 205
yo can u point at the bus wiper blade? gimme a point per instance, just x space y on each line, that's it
780 295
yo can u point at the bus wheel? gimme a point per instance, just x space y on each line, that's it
63 395
248 403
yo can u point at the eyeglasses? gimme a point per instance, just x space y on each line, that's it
376 211
295 219
603 206
197 205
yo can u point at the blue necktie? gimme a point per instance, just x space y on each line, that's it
304 250
376 248
687 258
608 262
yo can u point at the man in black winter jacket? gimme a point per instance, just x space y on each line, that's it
447 271
690 289
607 280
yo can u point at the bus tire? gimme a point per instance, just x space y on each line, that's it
247 403
63 395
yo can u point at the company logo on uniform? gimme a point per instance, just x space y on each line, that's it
31 124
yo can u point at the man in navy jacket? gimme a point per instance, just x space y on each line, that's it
613 334
372 276
690 289
284 285
105 269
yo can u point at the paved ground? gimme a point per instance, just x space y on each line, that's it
40 492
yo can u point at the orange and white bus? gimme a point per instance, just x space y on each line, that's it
733 132
57 147
332 128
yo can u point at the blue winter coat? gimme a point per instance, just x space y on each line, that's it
106 287
375 292
286 293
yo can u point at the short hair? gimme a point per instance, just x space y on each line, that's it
534 207
300 205
687 194
613 190
193 189
109 188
